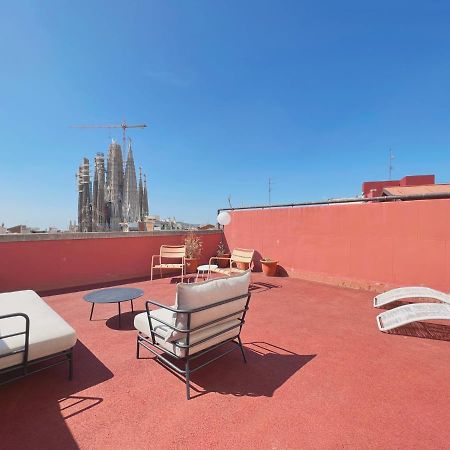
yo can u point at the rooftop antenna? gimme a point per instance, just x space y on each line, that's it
270 190
229 201
391 167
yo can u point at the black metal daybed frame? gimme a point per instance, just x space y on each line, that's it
25 365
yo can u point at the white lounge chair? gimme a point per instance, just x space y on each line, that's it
409 292
416 312
169 253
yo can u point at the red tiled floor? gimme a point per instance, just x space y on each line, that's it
319 375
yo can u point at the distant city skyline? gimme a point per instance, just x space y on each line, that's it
310 95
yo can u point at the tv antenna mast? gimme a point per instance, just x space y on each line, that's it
123 125
391 167
270 190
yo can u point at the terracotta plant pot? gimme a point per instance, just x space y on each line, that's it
222 263
269 268
191 264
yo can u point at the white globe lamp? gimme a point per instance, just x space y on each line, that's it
224 218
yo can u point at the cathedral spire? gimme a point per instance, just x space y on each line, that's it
145 198
140 195
130 193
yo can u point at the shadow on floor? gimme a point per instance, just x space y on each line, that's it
38 406
189 278
261 286
425 330
127 320
75 404
268 367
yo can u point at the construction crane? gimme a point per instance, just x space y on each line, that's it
123 125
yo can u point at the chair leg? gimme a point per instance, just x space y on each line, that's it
70 358
242 349
188 394
137 347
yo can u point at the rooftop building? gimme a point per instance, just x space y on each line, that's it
375 188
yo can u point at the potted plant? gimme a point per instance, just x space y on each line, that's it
193 251
269 266
223 253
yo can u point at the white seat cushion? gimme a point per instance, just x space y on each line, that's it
49 332
141 322
142 325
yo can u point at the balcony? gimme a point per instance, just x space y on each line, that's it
319 373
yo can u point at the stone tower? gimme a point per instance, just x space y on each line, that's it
130 207
142 196
98 195
114 181
84 198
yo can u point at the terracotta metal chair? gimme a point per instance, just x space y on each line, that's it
239 255
169 252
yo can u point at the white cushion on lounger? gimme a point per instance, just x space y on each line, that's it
195 295
142 325
49 332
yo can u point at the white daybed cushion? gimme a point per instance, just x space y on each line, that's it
141 324
195 295
49 332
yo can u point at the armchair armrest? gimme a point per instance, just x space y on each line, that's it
26 332
156 256
159 305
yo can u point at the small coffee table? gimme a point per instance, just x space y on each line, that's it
113 295
205 269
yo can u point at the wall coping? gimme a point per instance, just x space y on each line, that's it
95 235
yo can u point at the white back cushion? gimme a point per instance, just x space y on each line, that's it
195 295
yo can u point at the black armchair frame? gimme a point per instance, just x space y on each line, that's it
151 345
26 367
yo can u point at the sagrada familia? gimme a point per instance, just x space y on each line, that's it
114 197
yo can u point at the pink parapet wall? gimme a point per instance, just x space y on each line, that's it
46 262
372 245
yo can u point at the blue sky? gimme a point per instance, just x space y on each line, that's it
311 94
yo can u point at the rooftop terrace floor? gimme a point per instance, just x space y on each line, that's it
319 375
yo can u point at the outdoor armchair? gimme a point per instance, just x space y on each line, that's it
239 255
206 317
170 257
